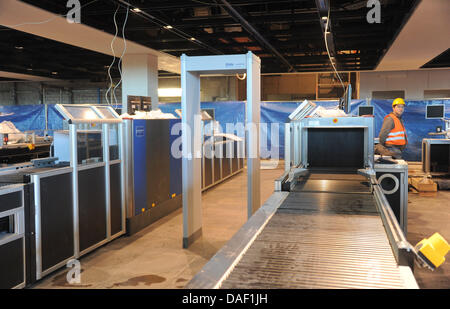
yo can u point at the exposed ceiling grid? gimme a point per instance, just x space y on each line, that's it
292 38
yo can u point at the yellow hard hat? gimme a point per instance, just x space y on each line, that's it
398 101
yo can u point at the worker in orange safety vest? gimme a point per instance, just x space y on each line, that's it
392 138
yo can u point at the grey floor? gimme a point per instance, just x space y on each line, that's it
154 258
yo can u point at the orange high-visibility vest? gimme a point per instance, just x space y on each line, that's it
397 136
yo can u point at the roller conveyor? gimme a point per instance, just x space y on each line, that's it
318 239
326 233
328 224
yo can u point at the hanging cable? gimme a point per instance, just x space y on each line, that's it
123 53
114 56
328 51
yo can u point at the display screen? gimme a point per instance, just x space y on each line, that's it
435 111
365 110
345 101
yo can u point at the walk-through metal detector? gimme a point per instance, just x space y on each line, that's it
191 69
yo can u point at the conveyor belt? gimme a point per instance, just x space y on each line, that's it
321 239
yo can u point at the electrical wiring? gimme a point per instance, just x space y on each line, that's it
328 51
119 65
114 56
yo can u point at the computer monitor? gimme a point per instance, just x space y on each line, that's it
435 111
344 102
365 110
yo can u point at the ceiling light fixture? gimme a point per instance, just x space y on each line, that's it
19 47
55 73
164 24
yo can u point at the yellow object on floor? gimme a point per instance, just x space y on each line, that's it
433 250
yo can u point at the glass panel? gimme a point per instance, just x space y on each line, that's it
89 146
6 226
114 142
81 112
106 112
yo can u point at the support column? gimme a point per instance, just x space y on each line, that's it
252 124
191 162
41 93
140 77
71 98
14 94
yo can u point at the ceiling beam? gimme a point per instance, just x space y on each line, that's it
423 37
14 14
254 33
27 77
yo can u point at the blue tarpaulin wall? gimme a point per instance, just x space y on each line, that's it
31 117
273 113
273 116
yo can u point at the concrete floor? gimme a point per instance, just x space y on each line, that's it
154 258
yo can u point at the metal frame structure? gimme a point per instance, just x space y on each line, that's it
238 154
402 168
426 153
296 150
36 180
106 121
191 69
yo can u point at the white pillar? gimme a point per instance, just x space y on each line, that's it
140 77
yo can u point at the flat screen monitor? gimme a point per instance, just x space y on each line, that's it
344 102
435 111
365 110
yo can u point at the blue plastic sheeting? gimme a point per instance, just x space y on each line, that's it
273 117
31 117
275 114
417 127
55 119
24 117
